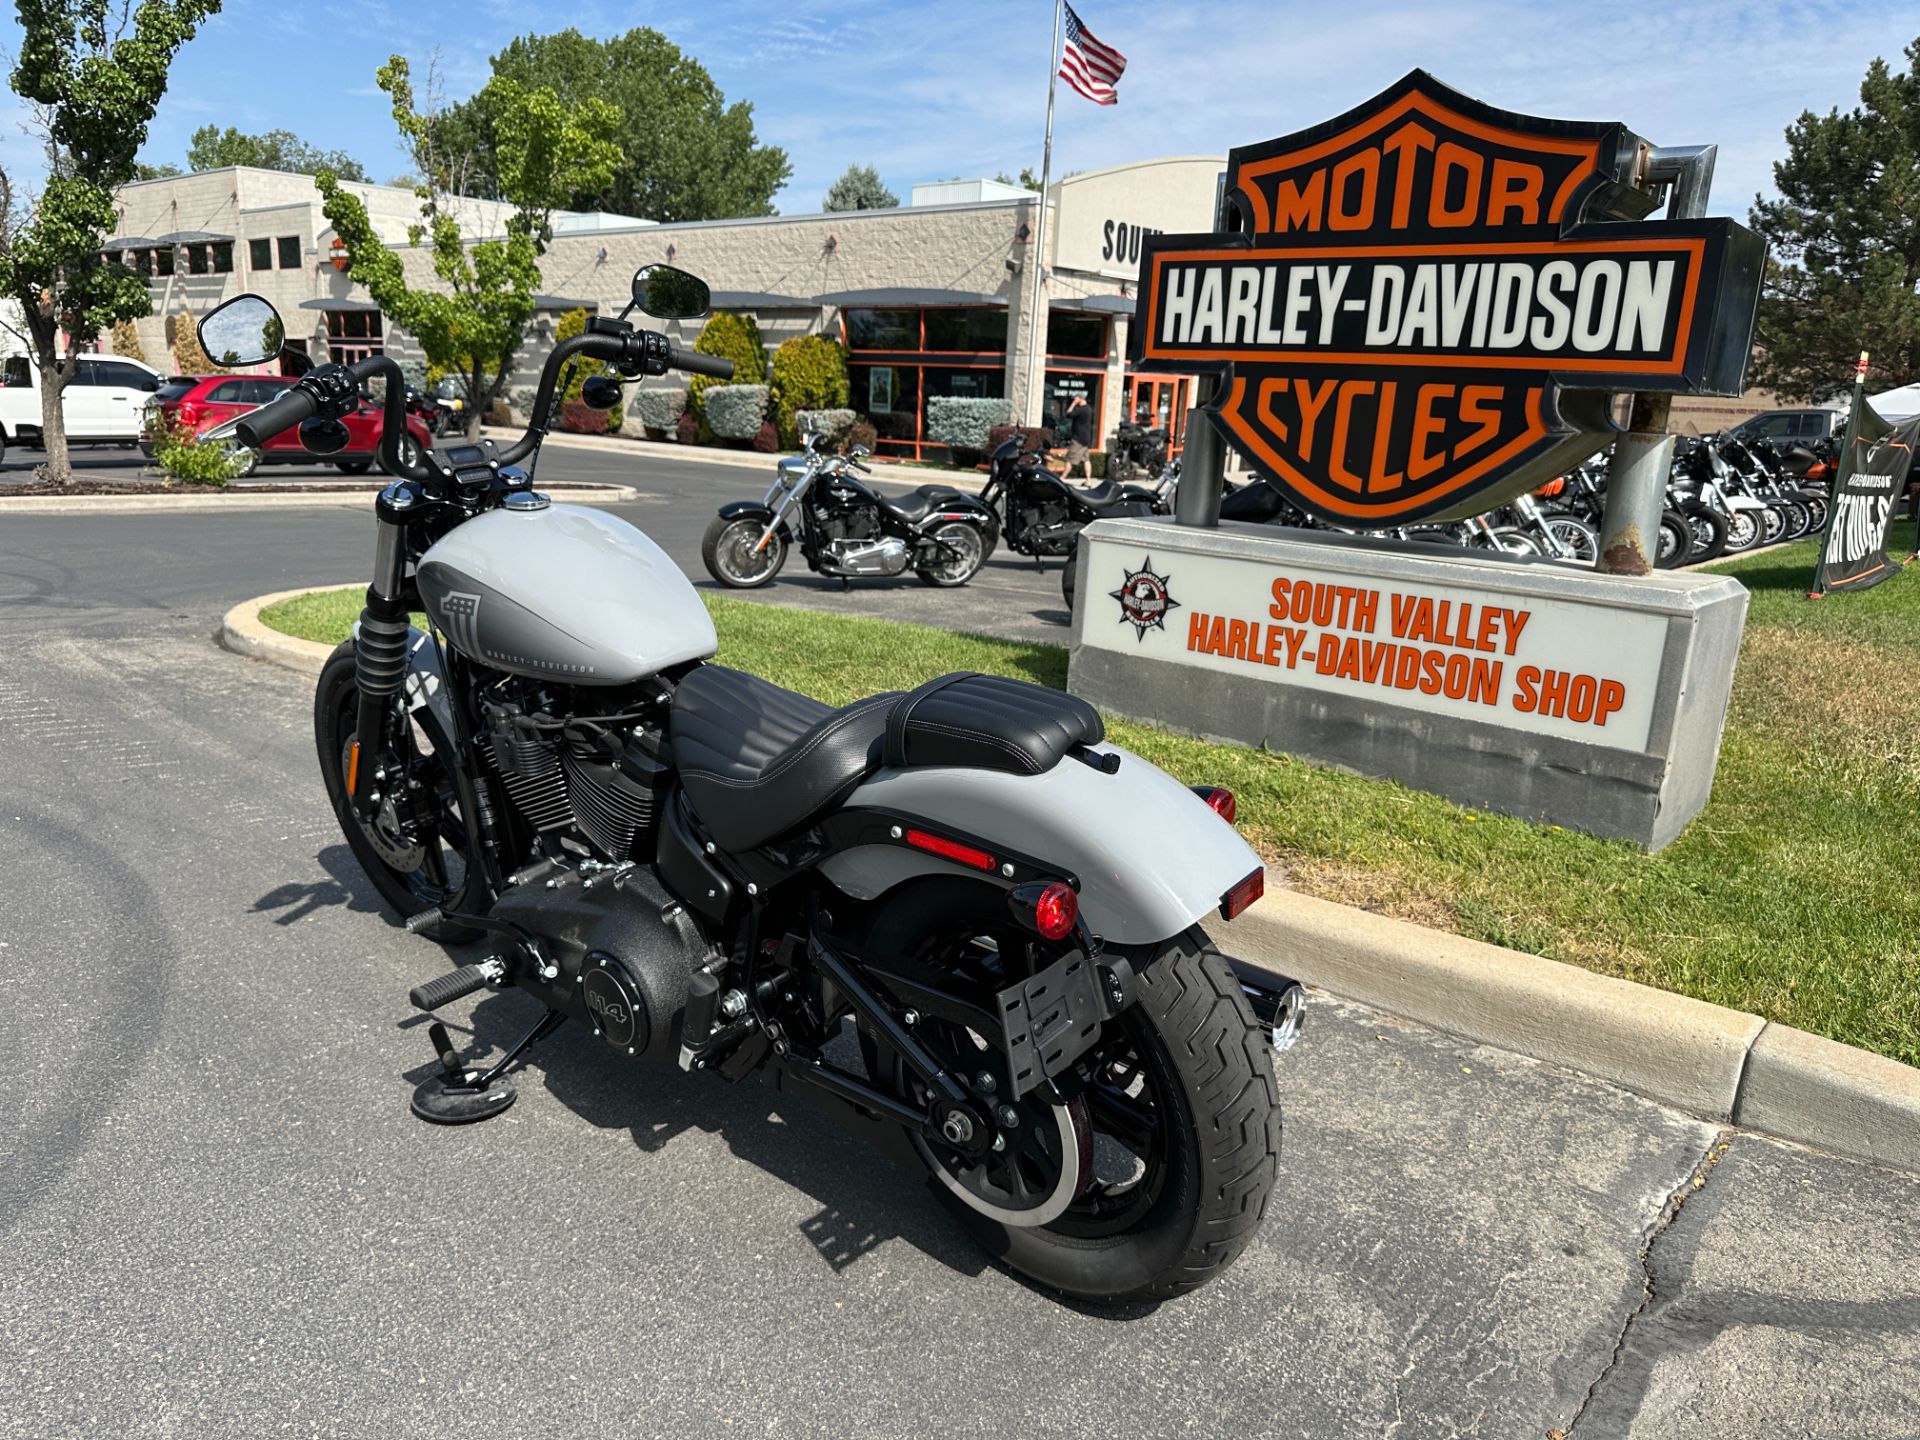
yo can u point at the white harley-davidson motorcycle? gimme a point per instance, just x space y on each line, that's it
716 873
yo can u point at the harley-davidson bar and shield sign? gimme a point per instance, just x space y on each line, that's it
1429 304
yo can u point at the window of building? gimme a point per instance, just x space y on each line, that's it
289 252
260 254
197 259
163 261
1062 386
882 329
222 257
1077 334
143 262
971 331
353 334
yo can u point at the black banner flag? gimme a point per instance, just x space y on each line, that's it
1874 464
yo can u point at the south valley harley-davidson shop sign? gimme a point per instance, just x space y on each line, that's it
1430 302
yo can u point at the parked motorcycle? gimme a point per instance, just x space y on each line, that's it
1041 514
712 872
844 528
437 417
1138 450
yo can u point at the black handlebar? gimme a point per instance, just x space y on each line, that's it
283 412
694 363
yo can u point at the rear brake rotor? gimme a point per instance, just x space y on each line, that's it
1001 1184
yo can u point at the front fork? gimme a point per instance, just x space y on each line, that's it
380 649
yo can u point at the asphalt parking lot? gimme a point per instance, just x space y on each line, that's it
218 1218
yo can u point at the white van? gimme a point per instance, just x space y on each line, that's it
103 401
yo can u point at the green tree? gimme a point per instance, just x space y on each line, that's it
212 148
96 71
1027 179
685 154
860 189
1844 238
163 171
732 337
809 372
473 322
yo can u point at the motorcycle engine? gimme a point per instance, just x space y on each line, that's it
598 782
1046 527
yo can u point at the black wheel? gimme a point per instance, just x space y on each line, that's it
1709 528
1743 531
965 553
1069 579
1149 1167
417 850
1799 518
409 456
1676 541
353 467
735 557
1816 504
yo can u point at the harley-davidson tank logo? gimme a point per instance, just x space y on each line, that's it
1144 599
1427 303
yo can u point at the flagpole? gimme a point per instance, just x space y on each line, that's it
1036 358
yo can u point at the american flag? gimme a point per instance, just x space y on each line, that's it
1088 66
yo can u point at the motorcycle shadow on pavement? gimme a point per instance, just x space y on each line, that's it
865 1201
344 886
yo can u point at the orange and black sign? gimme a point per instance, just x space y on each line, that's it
1428 303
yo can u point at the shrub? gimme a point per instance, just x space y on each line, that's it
500 413
1036 437
735 411
963 422
767 441
659 411
834 424
573 323
809 373
580 418
126 340
188 357
863 434
687 428
416 374
732 337
179 453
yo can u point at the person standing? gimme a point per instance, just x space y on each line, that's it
1080 437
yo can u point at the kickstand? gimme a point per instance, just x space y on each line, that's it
459 1096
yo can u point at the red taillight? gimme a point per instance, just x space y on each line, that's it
1055 912
188 414
1219 800
1243 894
950 849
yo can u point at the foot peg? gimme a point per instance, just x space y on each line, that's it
425 920
448 988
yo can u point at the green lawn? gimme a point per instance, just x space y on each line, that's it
1796 894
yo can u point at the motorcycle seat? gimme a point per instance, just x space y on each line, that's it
916 505
756 760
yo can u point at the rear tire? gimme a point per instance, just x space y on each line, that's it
1188 1055
1709 528
1070 581
970 553
1676 541
727 550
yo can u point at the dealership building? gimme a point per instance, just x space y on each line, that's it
932 298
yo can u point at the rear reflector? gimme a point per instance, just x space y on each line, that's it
1243 894
950 849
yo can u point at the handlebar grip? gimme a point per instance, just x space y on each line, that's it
694 363
278 415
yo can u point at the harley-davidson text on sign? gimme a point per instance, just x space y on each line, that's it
1430 302
1551 667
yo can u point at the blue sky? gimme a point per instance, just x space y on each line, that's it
925 92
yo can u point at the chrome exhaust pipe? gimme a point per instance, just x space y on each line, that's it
1278 1003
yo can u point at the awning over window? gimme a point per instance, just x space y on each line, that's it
188 237
340 304
561 302
130 242
1098 304
760 300
904 298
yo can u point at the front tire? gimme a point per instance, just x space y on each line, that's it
1070 581
729 553
427 861
1709 528
353 467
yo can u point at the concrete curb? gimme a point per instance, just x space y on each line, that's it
1723 1065
643 450
243 500
242 633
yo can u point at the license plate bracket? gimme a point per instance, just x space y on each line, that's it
1050 1020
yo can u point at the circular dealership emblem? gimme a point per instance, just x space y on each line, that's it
1144 599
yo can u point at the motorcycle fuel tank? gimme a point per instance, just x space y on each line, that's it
563 593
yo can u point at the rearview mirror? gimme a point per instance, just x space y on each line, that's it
244 331
669 294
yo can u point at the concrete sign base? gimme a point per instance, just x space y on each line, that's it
1521 686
